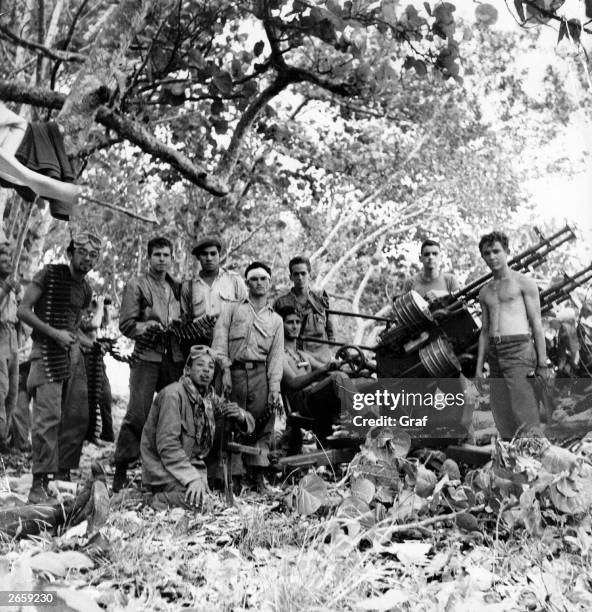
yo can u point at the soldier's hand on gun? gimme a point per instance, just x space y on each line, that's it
275 399
63 337
334 365
142 328
232 411
197 491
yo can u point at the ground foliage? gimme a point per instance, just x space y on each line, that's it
400 530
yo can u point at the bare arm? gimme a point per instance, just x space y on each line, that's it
532 304
484 335
26 315
296 382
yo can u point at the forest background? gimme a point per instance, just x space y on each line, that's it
347 131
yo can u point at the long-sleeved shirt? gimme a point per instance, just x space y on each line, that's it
199 299
243 334
147 298
179 433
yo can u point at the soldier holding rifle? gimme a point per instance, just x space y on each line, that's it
511 322
150 303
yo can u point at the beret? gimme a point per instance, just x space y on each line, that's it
206 241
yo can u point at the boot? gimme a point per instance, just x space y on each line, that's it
120 479
237 485
39 493
63 475
261 485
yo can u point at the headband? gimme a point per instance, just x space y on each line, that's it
83 239
199 350
254 271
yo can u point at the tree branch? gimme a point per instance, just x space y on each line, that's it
54 54
136 134
231 154
120 209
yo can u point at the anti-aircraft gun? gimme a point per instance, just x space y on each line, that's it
426 340
433 342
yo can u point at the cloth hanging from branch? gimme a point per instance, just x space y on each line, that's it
43 154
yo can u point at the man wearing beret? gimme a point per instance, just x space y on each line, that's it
150 303
214 290
53 305
249 343
179 434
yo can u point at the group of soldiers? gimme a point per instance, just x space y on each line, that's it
250 362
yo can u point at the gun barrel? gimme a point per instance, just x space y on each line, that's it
532 256
573 281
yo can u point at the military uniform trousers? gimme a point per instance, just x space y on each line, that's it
60 415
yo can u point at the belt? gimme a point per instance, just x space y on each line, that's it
510 338
247 365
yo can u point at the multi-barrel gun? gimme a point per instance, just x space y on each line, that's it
560 291
525 261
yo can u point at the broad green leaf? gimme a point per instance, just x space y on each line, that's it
311 494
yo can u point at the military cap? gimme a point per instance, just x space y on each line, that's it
206 241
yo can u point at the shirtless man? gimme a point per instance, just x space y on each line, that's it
431 283
511 321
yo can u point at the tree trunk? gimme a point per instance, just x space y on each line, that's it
102 70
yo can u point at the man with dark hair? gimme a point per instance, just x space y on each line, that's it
312 307
249 342
150 303
180 431
312 389
9 365
213 290
52 305
511 320
431 283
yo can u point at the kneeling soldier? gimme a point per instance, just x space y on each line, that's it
179 433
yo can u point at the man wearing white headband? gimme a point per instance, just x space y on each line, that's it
179 434
53 305
249 343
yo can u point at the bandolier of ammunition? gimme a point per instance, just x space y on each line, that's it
94 376
54 310
187 334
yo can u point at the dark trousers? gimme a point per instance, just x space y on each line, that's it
249 391
60 415
146 378
513 402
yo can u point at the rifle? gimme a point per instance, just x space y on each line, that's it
226 462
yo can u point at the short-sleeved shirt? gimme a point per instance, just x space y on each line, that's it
445 283
199 299
80 297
